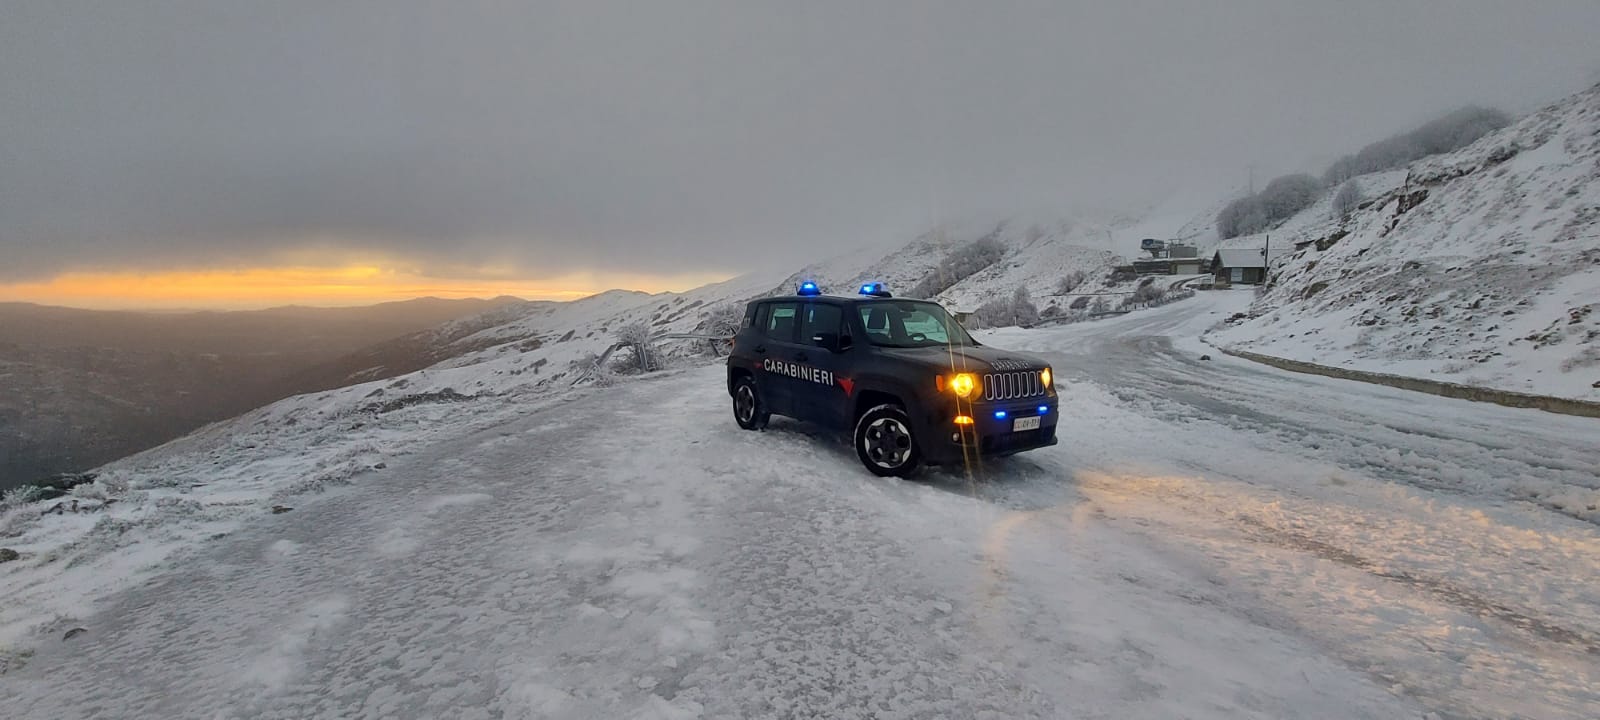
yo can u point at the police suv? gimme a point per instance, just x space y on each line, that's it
902 376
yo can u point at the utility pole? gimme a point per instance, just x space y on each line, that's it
1266 259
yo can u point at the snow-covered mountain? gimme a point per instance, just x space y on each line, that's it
467 373
1480 266
536 344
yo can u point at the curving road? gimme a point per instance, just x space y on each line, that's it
1449 550
1212 539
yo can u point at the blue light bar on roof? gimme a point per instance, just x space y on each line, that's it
808 289
875 289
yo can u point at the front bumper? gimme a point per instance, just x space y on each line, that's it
991 434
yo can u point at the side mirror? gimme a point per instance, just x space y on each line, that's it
831 341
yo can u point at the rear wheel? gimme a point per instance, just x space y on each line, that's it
885 443
748 410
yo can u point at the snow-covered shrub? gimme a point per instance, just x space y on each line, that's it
1006 312
995 313
19 496
15 515
635 338
89 491
1348 199
1121 275
1145 294
1071 281
724 320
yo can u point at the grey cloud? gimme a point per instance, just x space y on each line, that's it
693 136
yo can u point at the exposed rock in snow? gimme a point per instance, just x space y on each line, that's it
1480 267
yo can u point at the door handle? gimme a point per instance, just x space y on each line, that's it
800 357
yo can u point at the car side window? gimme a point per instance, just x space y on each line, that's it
817 318
782 320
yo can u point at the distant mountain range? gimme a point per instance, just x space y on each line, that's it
82 387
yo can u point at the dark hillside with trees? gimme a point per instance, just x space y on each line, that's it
79 388
1285 196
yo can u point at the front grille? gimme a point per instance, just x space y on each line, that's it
1012 385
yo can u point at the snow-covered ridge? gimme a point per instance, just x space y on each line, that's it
146 511
1037 254
1479 267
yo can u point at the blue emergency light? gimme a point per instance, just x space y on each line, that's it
1044 409
1000 414
808 289
875 289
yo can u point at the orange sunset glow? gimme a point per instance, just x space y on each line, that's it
359 284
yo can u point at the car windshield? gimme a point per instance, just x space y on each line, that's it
910 324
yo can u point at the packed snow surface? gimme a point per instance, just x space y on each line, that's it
1212 539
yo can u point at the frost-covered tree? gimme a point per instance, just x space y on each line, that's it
1244 216
1287 195
995 313
1006 312
1070 282
636 338
1145 294
1446 134
723 320
1278 201
1023 311
1348 198
962 263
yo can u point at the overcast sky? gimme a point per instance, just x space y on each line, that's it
686 136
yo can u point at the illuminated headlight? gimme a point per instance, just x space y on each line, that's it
1044 377
964 384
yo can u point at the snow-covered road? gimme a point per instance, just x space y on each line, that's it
1211 539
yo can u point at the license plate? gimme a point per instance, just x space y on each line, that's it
1027 423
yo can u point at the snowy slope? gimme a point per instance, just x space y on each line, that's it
1212 540
899 267
1482 267
1317 221
1037 257
204 485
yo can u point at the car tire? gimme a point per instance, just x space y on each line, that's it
748 409
886 443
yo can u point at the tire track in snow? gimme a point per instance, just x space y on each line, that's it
1448 592
1469 593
